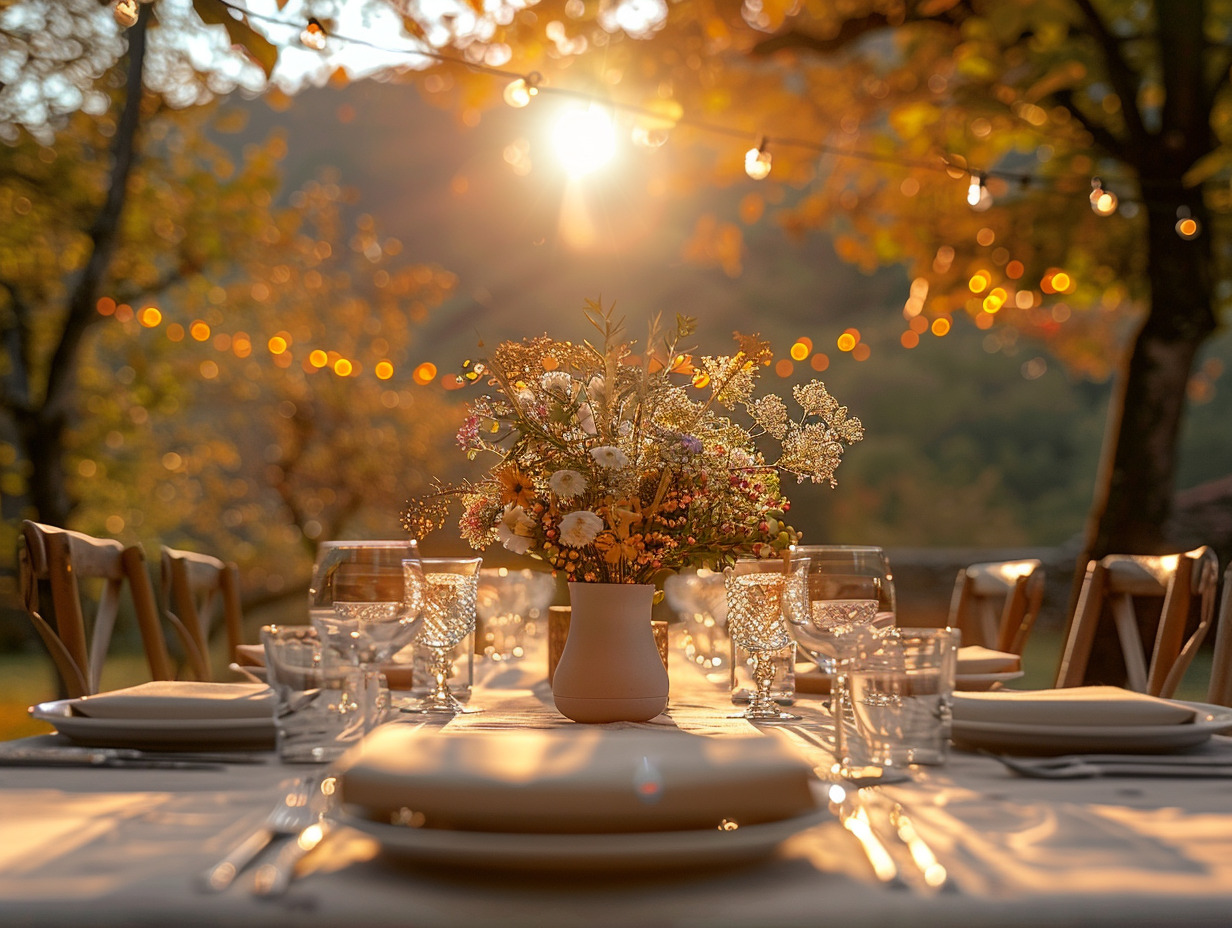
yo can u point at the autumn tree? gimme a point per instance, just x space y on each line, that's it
187 356
884 117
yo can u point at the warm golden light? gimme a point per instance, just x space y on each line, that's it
1186 226
1103 202
343 367
425 373
846 342
313 35
518 93
318 358
150 317
757 163
277 344
979 282
801 349
784 368
978 197
384 370
584 140
941 327
819 362
909 339
199 331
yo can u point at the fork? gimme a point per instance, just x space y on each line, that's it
1078 767
291 815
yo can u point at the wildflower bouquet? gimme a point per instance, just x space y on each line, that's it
613 466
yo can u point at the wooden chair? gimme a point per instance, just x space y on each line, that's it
195 589
996 604
1112 585
61 559
1220 691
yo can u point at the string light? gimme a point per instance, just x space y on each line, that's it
1186 226
125 12
757 161
1104 202
584 139
978 197
521 87
518 93
313 35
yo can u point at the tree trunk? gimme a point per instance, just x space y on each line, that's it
43 426
1134 491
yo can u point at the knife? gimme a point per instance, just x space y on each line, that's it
274 878
56 757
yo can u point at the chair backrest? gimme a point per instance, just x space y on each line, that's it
1220 691
60 558
196 590
1113 584
996 604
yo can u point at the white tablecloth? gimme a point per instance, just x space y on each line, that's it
123 847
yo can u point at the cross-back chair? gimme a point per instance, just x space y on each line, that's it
995 604
62 559
1220 691
1113 584
196 591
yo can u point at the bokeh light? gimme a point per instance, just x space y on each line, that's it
425 373
384 370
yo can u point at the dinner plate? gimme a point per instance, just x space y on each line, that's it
1106 739
608 853
156 734
815 682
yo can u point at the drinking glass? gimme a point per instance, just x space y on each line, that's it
366 599
700 599
893 698
763 598
850 588
507 599
450 589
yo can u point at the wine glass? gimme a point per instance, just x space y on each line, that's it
763 598
700 599
366 600
450 590
850 590
507 601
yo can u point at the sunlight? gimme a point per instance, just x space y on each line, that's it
585 140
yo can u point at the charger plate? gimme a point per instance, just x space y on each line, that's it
1010 738
608 853
156 734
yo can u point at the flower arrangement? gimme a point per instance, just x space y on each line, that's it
610 470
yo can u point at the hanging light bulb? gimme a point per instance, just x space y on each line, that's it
1104 202
978 197
757 162
1186 226
313 35
518 93
125 12
648 137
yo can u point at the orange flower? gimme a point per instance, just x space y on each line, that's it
515 487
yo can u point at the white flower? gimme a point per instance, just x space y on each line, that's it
586 419
594 389
579 528
567 484
609 456
558 383
516 530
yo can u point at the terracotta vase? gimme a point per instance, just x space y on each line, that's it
610 670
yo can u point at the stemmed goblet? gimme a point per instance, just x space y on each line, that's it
366 602
763 596
451 586
850 590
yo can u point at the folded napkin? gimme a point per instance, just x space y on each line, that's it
1076 706
397 676
173 699
573 781
975 659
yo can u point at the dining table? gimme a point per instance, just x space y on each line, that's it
127 846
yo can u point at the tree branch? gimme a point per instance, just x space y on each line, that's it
104 232
1101 134
1123 78
15 390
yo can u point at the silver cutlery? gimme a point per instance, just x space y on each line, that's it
274 878
1071 767
854 817
289 817
59 757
